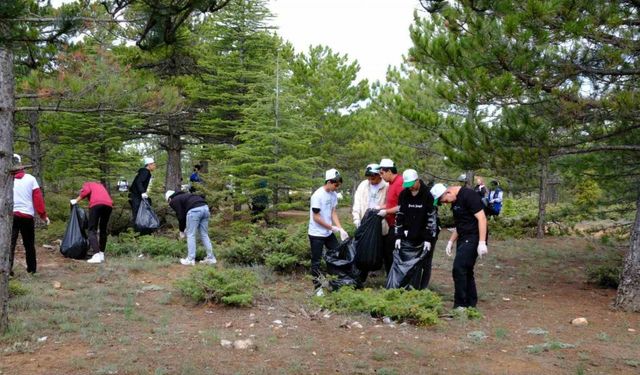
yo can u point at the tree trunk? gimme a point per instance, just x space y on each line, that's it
174 153
542 197
469 182
7 105
628 297
36 150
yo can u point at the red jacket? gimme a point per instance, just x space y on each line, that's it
96 193
393 194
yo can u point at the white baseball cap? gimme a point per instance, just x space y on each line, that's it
409 177
387 163
436 191
331 174
168 194
148 160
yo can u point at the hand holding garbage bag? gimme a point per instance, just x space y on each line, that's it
74 242
146 221
382 213
397 244
426 246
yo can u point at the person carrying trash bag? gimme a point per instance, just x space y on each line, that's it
139 186
193 216
470 236
27 201
323 221
417 225
74 242
100 207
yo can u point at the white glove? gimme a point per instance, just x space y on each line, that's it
426 246
397 245
343 234
447 249
47 221
335 229
356 223
382 213
182 235
73 202
144 195
482 248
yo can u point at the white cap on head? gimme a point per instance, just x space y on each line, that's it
331 174
168 194
148 161
387 163
17 159
436 191
409 177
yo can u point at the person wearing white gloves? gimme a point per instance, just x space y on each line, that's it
417 221
100 207
470 236
389 173
27 201
139 186
323 222
370 194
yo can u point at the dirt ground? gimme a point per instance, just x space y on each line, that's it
125 317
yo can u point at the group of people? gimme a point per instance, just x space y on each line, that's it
409 208
492 199
191 210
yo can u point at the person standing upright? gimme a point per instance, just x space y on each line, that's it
370 194
27 201
389 173
139 186
100 207
495 199
470 236
323 221
417 221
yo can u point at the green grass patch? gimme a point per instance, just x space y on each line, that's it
421 307
234 287
17 289
130 243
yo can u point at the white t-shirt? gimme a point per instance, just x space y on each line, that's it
23 194
326 201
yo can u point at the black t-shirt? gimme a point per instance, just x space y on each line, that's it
467 204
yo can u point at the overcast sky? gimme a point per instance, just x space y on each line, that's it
374 32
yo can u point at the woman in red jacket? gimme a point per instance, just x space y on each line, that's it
100 206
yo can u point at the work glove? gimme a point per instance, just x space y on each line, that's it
356 223
382 213
343 234
182 235
73 202
47 221
397 245
144 195
482 248
447 249
426 246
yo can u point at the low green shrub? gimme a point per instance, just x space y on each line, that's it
233 286
16 288
421 307
129 242
605 275
275 247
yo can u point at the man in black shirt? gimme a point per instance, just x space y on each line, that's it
139 186
417 220
471 236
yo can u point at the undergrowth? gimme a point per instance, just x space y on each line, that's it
130 243
232 286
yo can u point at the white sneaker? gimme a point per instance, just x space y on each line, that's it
97 258
187 262
208 260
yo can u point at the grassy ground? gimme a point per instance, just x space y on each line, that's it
126 317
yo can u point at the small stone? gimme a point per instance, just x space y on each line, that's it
356 325
278 322
244 344
226 344
228 324
42 339
506 299
579 321
395 353
314 353
537 331
387 320
251 325
477 335
326 316
57 285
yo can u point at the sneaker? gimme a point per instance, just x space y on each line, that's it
208 260
187 262
320 292
96 258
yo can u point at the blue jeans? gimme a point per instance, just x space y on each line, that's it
198 220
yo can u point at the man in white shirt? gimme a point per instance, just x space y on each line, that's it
323 221
371 193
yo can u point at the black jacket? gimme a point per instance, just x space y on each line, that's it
182 202
417 215
140 182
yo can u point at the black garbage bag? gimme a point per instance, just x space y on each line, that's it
146 220
406 269
74 243
368 242
341 265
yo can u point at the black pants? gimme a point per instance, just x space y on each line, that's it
388 245
317 247
98 217
466 294
426 267
25 227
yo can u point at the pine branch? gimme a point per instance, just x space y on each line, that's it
82 110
